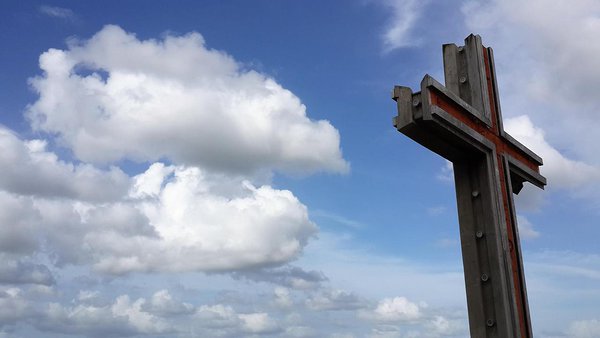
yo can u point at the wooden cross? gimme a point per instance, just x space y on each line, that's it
462 122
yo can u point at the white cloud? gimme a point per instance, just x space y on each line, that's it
86 295
201 229
258 323
29 169
13 307
442 326
446 173
188 220
328 300
57 12
526 230
585 329
190 224
217 316
121 318
178 100
397 309
14 271
224 320
174 98
163 303
283 298
398 32
18 221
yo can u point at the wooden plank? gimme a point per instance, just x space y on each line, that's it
403 98
451 67
477 78
525 173
499 251
518 252
469 227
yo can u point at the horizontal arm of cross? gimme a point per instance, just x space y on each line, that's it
444 123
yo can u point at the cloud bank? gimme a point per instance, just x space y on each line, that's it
114 96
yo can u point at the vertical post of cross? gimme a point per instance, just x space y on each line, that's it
468 73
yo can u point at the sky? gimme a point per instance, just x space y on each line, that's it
230 168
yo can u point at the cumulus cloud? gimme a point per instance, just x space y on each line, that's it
442 326
121 318
282 298
258 323
223 320
23 272
29 169
217 316
18 220
391 310
222 128
13 306
163 303
328 300
199 228
184 220
115 96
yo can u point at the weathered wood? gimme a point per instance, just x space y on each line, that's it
464 71
462 122
508 171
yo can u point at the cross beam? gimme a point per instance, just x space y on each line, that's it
462 122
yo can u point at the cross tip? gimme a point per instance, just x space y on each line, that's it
395 93
473 38
401 91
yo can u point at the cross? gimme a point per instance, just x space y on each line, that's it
462 122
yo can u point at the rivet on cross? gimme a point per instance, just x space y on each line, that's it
462 122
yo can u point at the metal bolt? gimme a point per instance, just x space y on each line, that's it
462 79
416 102
484 277
475 193
479 234
490 322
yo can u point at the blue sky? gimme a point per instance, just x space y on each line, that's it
229 168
